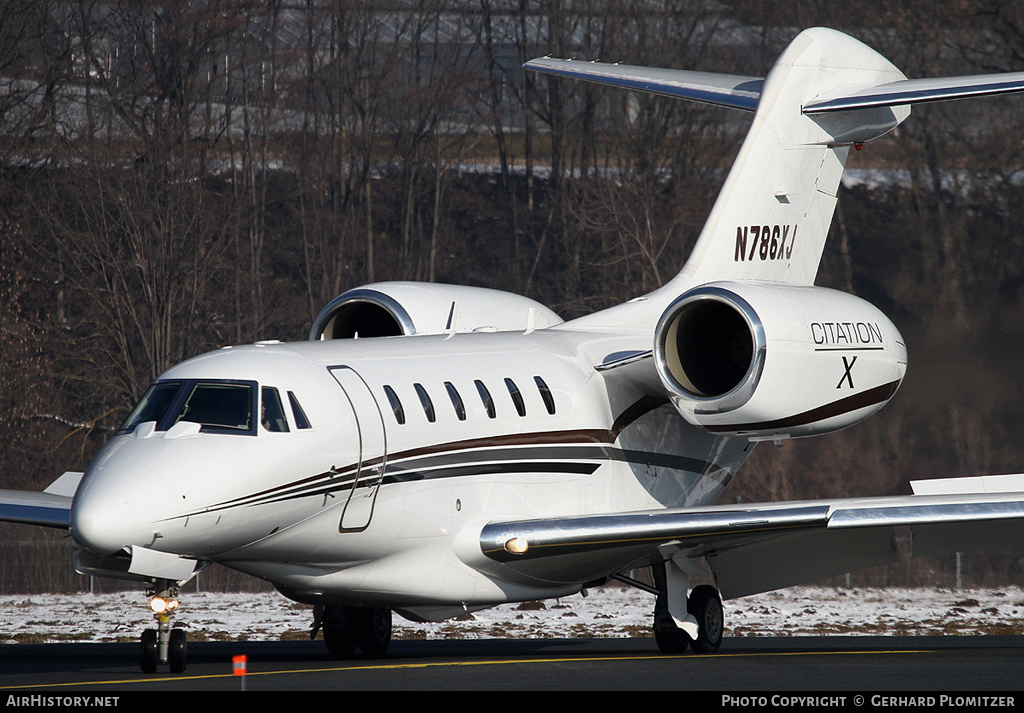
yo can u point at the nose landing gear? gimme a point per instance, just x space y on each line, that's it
163 645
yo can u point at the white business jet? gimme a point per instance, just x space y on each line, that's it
469 448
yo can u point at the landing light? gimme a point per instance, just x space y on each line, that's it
517 546
160 605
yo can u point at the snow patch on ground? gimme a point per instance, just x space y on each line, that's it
611 611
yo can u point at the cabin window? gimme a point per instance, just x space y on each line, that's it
272 415
517 398
298 414
396 405
453 394
428 405
545 394
154 405
220 407
485 398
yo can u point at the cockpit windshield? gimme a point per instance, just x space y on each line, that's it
154 404
218 406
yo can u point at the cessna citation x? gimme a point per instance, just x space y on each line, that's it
433 450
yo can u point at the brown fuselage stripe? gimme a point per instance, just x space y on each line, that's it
877 395
631 414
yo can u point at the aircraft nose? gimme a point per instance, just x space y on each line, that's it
102 521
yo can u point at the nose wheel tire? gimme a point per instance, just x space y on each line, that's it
149 650
177 651
149 654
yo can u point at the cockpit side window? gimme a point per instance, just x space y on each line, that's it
154 405
271 412
298 414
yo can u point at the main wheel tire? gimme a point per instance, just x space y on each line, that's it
670 638
706 607
149 650
372 628
177 651
339 639
671 641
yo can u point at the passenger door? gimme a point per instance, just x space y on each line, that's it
358 508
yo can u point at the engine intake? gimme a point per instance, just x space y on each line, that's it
364 313
712 346
391 309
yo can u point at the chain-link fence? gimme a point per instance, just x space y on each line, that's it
37 560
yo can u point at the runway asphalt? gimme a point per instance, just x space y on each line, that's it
838 667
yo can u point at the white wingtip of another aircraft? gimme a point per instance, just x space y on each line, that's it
1011 483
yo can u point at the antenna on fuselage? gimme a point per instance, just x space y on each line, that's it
453 316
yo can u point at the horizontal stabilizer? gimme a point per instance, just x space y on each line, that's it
744 92
728 90
918 91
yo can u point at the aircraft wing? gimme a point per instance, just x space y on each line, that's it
50 508
755 548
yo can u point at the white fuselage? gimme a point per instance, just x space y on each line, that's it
381 499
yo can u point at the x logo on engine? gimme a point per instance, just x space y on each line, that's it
847 377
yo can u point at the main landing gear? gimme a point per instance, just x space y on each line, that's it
348 628
163 645
697 621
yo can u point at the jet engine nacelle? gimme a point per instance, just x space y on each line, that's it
771 361
388 309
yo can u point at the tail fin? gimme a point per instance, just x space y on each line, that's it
825 93
773 214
